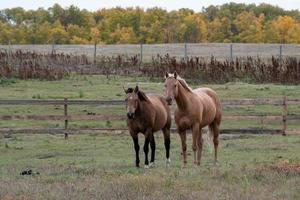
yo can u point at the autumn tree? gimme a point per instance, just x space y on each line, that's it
230 22
284 29
250 28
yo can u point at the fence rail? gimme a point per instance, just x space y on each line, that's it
284 102
230 102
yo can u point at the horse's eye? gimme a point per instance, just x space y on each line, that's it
175 85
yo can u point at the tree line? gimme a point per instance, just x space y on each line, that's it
229 23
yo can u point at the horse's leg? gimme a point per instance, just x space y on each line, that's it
166 132
137 148
214 127
146 148
182 135
199 144
152 145
195 133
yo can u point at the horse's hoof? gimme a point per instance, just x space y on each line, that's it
152 164
146 166
168 162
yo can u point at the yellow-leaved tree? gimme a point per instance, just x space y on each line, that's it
284 29
250 27
58 34
95 35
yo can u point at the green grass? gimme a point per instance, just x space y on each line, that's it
102 167
101 87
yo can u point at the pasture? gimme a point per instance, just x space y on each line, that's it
101 166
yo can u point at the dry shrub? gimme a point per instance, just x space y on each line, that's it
28 65
249 69
31 65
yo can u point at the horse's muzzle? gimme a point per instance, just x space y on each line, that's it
130 115
169 100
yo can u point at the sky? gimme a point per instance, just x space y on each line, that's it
93 5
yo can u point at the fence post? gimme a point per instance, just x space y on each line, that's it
284 115
231 52
66 117
9 52
9 48
95 52
141 52
53 48
185 52
280 54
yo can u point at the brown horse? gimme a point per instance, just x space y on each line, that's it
195 109
147 114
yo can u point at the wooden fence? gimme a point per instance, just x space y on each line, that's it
283 102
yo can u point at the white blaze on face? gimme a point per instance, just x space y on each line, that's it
171 75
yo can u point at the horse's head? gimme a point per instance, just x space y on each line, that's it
171 87
132 99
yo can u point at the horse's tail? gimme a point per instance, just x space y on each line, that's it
214 127
210 138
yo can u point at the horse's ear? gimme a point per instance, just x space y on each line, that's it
126 91
142 96
136 89
167 75
175 75
129 90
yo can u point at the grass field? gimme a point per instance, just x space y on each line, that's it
101 166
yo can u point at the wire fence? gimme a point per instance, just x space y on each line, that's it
146 52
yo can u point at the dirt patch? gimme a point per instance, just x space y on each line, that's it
284 167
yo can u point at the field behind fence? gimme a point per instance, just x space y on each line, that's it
280 119
221 51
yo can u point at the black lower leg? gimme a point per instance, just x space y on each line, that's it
167 146
153 146
137 149
146 150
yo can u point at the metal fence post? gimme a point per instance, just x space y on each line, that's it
280 54
53 48
66 117
141 52
185 51
231 52
9 48
95 52
284 115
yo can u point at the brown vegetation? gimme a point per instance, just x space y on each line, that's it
27 65
31 65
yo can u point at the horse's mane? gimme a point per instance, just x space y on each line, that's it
184 84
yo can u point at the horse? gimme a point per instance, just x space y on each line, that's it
147 114
195 109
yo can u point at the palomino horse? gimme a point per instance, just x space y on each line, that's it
195 109
147 114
